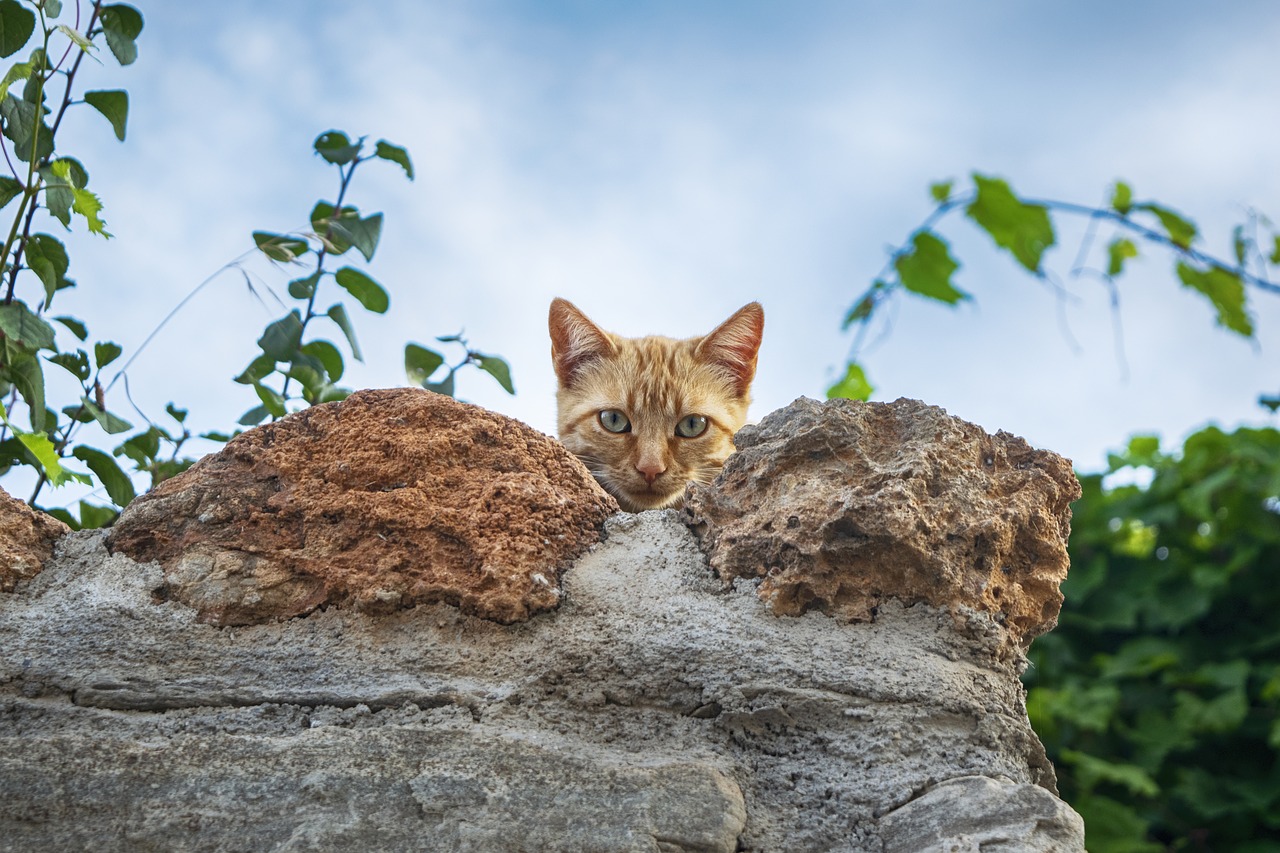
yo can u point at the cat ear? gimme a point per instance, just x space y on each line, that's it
734 344
575 340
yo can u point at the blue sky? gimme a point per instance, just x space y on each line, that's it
661 164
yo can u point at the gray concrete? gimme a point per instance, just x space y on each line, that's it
654 711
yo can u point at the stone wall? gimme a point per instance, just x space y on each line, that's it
665 699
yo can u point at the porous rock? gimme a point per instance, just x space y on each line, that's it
386 500
653 712
978 814
840 506
26 540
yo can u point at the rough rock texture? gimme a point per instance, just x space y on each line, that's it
26 540
655 710
976 814
386 500
841 506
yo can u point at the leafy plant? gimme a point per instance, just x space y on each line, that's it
1025 229
1158 695
317 365
43 181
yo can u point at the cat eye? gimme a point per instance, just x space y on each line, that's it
614 421
691 426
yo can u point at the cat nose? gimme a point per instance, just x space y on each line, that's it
650 470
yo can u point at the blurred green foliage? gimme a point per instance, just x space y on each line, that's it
1158 695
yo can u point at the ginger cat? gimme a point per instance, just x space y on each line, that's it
649 415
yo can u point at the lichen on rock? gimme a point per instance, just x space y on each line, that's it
841 505
386 500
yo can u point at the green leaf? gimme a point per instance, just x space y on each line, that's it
258 368
221 437
110 423
1122 198
141 448
77 363
271 399
420 363
119 487
395 154
335 147
122 24
24 125
179 415
1025 230
310 373
16 26
361 233
78 40
52 8
303 288
22 70
926 270
1119 250
83 202
58 196
1271 403
1275 253
27 375
368 292
1225 290
1238 244
497 368
88 205
47 258
9 190
854 385
941 191
93 517
282 338
114 106
444 386
43 450
279 247
863 308
254 416
1182 232
105 353
78 413
24 328
338 314
328 355
77 328
324 217
1093 770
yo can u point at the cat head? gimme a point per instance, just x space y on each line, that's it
648 415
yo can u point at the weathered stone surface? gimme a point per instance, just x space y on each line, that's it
983 815
388 499
653 711
26 540
841 506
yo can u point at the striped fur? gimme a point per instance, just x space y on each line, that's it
655 382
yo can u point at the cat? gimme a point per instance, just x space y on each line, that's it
649 415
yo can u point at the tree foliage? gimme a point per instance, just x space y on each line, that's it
1158 695
1024 228
294 368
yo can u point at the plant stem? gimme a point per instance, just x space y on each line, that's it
320 259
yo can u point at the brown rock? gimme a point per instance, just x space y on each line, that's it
386 500
26 540
842 504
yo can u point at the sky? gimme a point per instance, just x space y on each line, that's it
661 164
